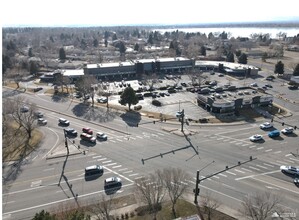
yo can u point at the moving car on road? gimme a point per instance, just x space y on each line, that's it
256 137
274 133
71 132
288 130
63 122
102 136
42 121
266 125
290 170
88 138
87 131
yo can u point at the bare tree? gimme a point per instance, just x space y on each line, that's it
260 206
210 205
174 180
151 191
101 209
84 86
25 120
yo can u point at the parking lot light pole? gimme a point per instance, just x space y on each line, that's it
182 120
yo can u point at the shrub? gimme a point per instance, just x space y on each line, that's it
156 103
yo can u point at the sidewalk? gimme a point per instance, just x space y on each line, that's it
61 151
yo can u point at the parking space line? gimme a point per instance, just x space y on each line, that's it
261 166
231 173
240 171
222 175
259 148
254 168
117 166
246 170
268 150
269 165
110 164
101 159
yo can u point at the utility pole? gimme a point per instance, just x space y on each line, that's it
182 120
66 143
196 190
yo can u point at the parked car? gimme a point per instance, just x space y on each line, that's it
253 84
269 86
270 78
42 121
112 182
256 137
87 131
137 107
37 89
102 100
274 133
266 125
290 170
178 114
88 138
296 181
71 132
63 122
102 136
288 130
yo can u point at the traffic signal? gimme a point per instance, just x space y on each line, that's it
196 192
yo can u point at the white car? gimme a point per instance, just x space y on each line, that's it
253 84
42 121
290 170
256 137
63 121
102 136
112 181
102 100
266 125
179 114
288 130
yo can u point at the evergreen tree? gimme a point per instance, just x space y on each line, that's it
150 39
43 215
136 47
128 97
95 42
33 67
242 58
114 37
106 43
279 68
296 70
30 53
230 57
62 55
203 50
238 53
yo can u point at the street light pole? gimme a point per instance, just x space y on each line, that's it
66 143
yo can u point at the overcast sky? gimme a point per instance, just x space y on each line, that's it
131 12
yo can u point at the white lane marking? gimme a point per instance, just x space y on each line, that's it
268 150
287 155
217 177
9 202
45 170
110 164
129 171
266 168
277 152
269 165
228 186
281 162
252 146
222 174
271 187
139 177
246 170
293 159
36 183
239 171
62 200
113 141
117 166
101 159
91 161
120 140
122 169
259 148
96 156
57 140
134 174
261 174
254 168
231 173
107 161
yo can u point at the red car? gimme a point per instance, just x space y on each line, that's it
87 131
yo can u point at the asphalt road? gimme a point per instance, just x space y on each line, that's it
36 186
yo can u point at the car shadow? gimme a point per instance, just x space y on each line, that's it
112 190
279 138
93 177
291 135
259 141
87 144
293 176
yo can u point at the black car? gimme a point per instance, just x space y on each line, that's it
71 132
